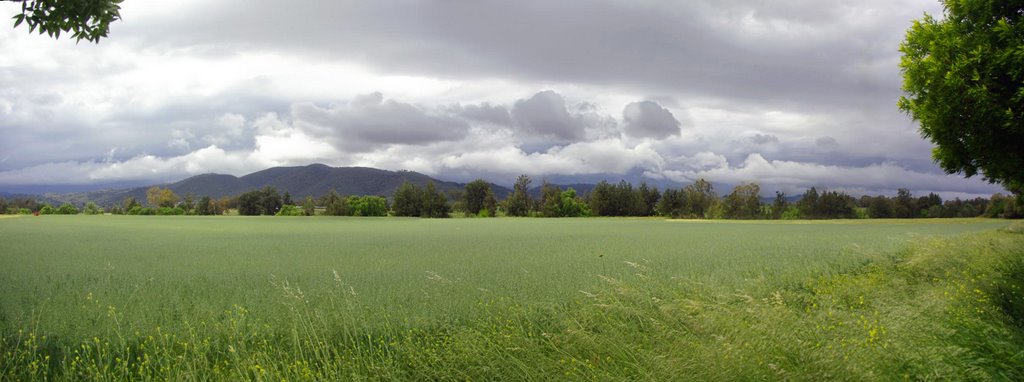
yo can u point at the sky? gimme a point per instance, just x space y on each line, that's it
788 93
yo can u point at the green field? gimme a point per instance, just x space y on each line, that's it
228 298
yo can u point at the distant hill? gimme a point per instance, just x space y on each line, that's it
313 180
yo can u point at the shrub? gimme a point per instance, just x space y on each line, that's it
290 210
47 209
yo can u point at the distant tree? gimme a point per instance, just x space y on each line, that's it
375 206
673 204
518 204
129 203
808 204
205 206
3 206
648 197
287 199
47 209
85 19
92 209
572 205
435 203
289 210
600 198
925 205
550 200
700 196
188 203
161 197
249 204
880 207
67 209
308 207
904 205
964 84
225 204
407 200
478 196
336 205
743 203
270 200
779 205
367 206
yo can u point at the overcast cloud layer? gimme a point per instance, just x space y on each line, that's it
790 94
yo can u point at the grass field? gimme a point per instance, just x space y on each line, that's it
228 298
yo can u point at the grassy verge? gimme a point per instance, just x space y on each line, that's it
940 308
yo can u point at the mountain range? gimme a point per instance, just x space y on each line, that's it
313 180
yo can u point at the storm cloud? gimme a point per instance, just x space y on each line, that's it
647 119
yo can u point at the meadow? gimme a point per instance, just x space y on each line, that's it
272 298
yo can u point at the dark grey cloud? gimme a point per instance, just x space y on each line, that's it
369 121
647 119
763 139
811 54
826 142
545 115
485 113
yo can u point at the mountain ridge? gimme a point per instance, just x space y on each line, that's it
313 180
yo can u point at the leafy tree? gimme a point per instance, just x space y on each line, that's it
161 197
880 207
435 203
903 205
92 209
518 204
572 205
743 203
129 203
47 209
550 200
308 207
85 19
188 204
249 204
287 199
479 196
67 209
225 204
779 205
925 205
206 206
648 198
3 205
673 204
700 196
270 200
336 205
964 83
407 200
367 206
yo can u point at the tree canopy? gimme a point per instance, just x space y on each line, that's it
964 83
84 19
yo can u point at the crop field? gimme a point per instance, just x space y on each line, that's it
272 298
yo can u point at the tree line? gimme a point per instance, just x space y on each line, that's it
698 200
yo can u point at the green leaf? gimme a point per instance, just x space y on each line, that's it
18 19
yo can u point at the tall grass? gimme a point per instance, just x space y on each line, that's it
348 299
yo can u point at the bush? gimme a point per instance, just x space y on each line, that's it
170 211
290 210
47 209
791 213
